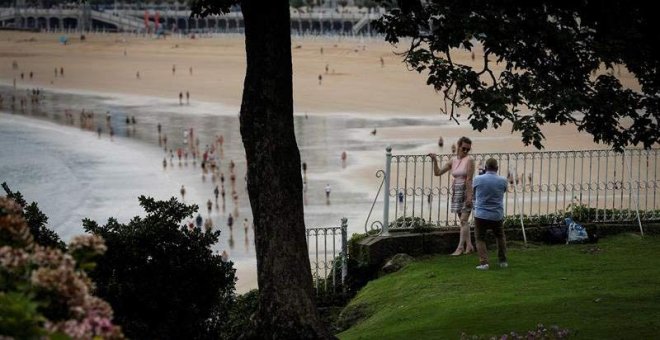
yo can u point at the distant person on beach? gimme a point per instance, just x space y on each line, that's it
327 193
187 97
327 68
230 221
164 162
56 72
344 156
173 69
462 169
180 98
382 62
159 128
400 195
320 79
208 225
137 75
441 142
22 76
31 75
191 71
61 71
373 132
209 205
199 220
183 192
489 190
246 224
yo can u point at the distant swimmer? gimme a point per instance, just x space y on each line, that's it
183 192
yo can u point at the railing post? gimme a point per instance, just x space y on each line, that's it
386 193
344 250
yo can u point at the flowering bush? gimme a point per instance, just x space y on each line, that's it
45 291
540 333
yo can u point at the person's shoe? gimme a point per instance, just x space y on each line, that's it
504 264
483 267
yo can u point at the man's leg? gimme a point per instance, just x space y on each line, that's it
480 231
498 230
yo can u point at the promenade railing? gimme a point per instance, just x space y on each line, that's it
328 254
599 185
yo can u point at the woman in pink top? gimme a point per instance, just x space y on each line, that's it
462 169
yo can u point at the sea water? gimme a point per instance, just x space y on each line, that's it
72 173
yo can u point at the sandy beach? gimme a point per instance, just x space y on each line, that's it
355 82
355 95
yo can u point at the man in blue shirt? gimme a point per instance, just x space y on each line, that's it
489 190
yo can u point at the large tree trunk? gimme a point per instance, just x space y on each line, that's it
286 305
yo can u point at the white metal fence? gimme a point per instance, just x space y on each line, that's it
603 185
328 247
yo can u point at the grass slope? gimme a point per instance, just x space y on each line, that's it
609 290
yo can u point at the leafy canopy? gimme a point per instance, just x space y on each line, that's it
161 278
559 62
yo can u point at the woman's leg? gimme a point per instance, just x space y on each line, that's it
465 232
459 250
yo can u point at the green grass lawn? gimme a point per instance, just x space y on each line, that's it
608 290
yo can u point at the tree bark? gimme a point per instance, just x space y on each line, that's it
286 301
